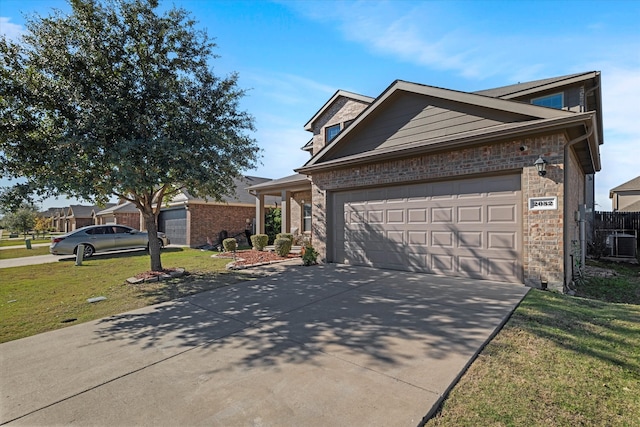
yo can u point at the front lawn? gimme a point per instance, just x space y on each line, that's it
40 298
559 361
23 252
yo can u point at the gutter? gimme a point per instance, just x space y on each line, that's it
581 220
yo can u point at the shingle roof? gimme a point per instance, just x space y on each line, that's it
506 91
633 207
633 184
240 195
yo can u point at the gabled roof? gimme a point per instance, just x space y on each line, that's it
523 89
126 207
523 117
332 100
296 182
239 196
84 211
631 185
633 207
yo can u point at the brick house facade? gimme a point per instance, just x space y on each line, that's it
416 138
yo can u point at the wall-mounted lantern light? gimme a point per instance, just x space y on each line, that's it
541 165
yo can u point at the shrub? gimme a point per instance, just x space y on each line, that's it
285 236
230 245
282 246
310 256
259 241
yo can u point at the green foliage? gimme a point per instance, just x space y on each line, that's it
282 246
230 244
259 241
310 256
117 98
273 223
285 236
22 220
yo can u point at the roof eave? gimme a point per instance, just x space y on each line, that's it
448 143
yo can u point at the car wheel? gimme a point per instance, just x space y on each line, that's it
161 243
88 251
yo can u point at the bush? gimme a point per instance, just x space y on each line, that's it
230 245
259 241
309 256
282 246
285 236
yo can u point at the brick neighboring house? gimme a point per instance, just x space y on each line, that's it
626 197
124 213
441 181
194 222
67 219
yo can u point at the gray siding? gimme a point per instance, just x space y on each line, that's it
414 118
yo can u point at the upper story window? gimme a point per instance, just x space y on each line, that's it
553 101
332 132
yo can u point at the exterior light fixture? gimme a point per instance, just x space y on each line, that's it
541 165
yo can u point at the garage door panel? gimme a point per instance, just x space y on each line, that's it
501 240
395 216
470 214
501 213
465 228
441 215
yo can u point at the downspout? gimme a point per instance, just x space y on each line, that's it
567 245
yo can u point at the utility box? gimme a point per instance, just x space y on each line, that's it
622 245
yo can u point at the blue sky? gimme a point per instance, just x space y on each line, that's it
293 55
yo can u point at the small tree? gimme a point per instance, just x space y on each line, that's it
273 223
42 225
117 99
22 220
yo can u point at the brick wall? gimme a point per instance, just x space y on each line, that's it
543 234
344 109
131 219
210 220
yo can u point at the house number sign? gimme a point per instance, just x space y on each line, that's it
543 203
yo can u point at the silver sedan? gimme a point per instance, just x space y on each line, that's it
102 238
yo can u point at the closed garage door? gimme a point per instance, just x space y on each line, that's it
467 228
174 224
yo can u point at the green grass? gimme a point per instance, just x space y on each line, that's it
23 252
20 242
40 298
559 361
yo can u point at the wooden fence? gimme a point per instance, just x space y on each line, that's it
617 220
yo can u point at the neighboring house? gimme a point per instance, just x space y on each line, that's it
77 216
124 213
192 221
441 181
626 197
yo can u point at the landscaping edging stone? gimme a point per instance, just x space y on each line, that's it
178 272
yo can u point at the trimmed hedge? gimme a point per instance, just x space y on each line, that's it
282 246
230 244
259 241
285 236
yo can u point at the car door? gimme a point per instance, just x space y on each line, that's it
127 238
101 238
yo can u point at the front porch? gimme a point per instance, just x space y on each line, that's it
294 192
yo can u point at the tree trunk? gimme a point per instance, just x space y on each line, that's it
154 244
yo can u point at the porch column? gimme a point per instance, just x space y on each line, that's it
286 212
259 213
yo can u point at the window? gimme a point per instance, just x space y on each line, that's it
306 216
552 101
332 132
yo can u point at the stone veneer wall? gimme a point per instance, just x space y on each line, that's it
209 220
543 235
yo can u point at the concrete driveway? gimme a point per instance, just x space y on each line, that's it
315 346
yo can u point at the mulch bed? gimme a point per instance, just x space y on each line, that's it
250 257
151 274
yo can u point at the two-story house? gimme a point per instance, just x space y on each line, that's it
490 185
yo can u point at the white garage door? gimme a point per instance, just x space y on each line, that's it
467 228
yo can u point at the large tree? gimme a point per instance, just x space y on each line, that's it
116 98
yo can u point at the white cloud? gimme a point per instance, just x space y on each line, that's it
10 30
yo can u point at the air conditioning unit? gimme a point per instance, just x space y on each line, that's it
622 245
